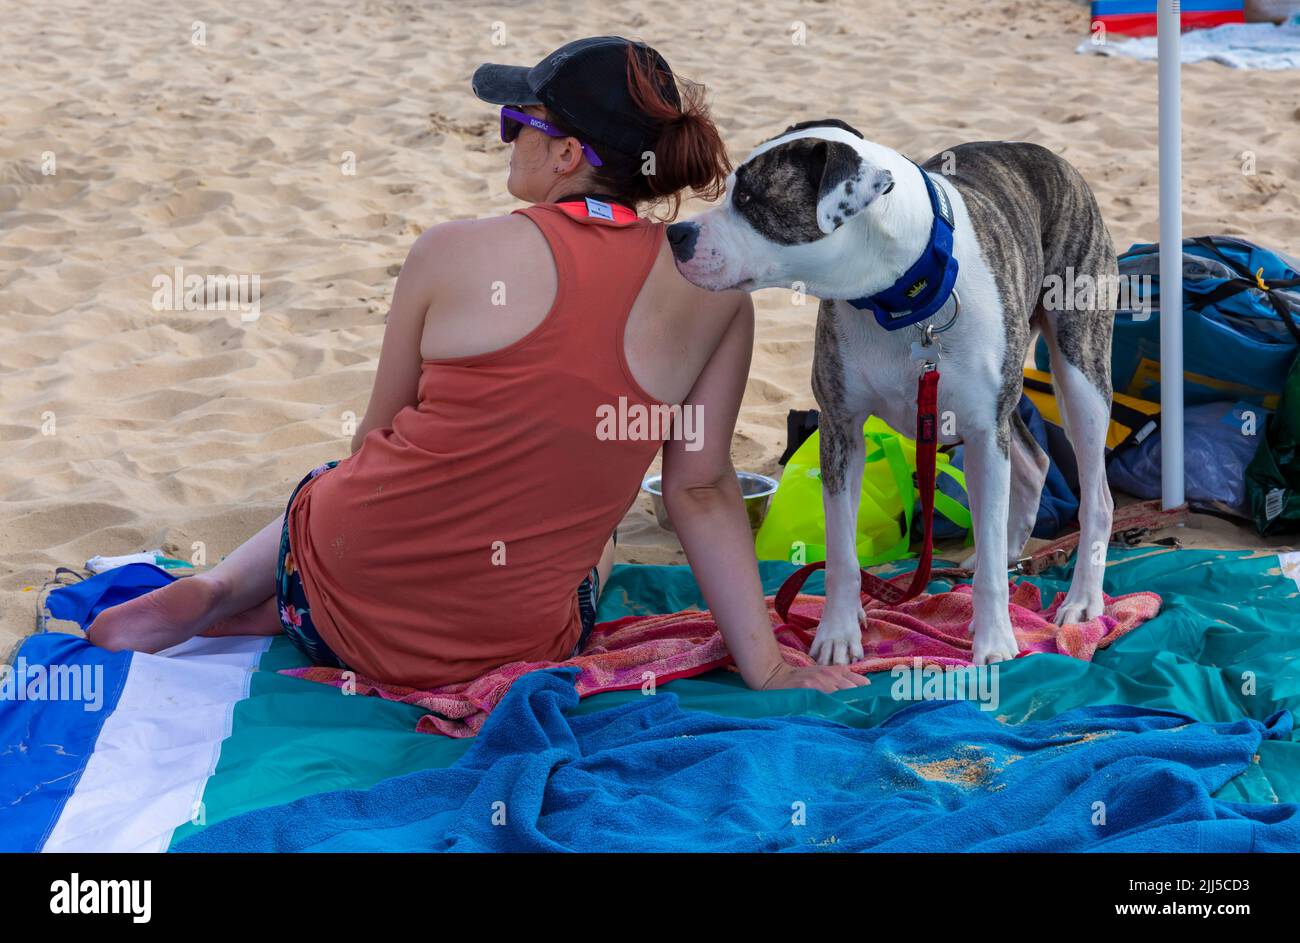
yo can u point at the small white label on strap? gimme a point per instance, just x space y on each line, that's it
599 210
1274 502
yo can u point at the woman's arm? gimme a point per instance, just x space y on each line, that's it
704 501
397 379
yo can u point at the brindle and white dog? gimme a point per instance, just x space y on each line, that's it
822 207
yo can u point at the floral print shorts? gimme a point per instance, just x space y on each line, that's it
291 599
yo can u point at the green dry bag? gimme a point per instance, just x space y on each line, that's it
795 526
1273 475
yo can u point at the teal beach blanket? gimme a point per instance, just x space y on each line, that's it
246 738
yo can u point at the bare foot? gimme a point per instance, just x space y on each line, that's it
165 617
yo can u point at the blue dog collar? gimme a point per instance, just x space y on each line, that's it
925 287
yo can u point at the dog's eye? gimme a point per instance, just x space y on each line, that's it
741 197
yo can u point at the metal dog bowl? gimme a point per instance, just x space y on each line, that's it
757 490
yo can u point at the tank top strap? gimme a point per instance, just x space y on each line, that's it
601 267
562 251
605 262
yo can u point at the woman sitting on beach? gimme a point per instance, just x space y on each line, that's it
470 527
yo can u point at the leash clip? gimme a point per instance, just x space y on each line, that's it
927 354
928 350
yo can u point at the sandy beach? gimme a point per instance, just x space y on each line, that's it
126 427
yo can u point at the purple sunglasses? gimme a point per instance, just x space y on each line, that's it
511 120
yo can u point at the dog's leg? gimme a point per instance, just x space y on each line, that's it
1029 466
1078 334
988 480
843 454
1085 411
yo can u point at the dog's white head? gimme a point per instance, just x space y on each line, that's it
798 210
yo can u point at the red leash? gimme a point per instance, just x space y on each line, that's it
927 444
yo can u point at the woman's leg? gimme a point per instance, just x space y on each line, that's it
606 563
262 619
173 613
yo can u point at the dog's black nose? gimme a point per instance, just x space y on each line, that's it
682 236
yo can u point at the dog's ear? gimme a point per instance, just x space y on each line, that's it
848 185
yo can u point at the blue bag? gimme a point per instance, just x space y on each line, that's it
1219 441
1241 322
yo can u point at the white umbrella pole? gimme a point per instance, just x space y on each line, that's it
1169 28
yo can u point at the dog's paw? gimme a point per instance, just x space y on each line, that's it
839 640
994 642
1075 610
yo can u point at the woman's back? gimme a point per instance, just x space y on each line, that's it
531 432
483 305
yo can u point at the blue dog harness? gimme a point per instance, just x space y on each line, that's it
925 287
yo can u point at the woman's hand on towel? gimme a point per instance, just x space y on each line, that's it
825 678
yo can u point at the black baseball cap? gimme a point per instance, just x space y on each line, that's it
584 84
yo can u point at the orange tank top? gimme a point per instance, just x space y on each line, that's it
454 542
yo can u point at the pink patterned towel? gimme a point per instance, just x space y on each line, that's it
632 651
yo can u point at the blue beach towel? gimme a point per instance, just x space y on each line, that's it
649 776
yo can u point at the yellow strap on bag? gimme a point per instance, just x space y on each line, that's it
795 526
1132 419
